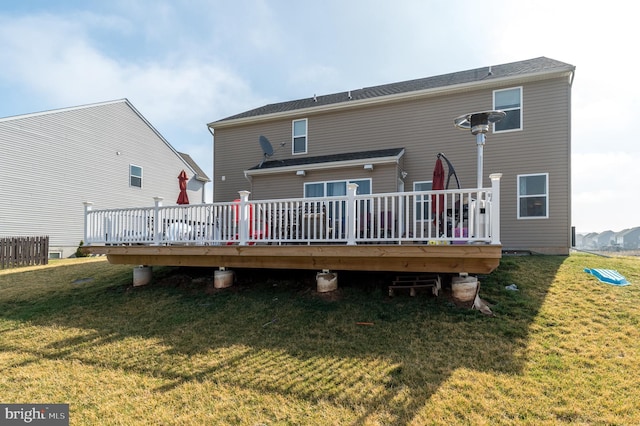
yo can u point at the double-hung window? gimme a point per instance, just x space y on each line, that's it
509 101
533 196
299 136
423 202
135 176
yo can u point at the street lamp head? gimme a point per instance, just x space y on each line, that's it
478 122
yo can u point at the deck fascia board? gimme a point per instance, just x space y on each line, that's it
470 258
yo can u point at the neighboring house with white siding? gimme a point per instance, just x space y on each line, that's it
106 153
386 138
628 239
606 239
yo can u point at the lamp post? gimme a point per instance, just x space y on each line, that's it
478 123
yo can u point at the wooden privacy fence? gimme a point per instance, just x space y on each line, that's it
23 251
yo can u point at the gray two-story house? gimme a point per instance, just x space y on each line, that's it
386 139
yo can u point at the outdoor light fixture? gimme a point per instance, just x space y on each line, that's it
478 123
368 166
301 173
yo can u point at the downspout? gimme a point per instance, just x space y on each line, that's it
213 167
569 166
248 178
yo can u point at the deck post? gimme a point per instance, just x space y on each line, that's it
350 220
88 205
495 207
243 220
157 225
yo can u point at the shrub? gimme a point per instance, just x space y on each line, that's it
80 252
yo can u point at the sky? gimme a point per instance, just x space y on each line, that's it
185 63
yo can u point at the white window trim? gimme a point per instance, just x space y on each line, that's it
521 109
427 201
58 254
141 176
306 136
546 175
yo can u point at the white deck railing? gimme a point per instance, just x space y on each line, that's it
438 217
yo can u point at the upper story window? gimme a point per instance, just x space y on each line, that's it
533 196
423 202
299 136
509 101
135 176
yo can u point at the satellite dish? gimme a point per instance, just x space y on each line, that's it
267 148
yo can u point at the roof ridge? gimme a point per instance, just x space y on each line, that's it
64 109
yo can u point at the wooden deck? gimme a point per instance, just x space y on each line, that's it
445 231
468 258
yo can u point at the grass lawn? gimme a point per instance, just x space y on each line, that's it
564 349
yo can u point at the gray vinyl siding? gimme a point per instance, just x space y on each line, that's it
542 147
53 162
424 127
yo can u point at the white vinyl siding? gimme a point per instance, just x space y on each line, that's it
299 136
84 155
533 196
509 101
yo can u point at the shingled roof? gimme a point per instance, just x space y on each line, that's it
199 173
521 68
333 158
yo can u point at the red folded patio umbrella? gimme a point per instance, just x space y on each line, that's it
183 198
437 207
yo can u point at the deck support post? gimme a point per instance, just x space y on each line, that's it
326 281
223 278
243 221
157 225
351 213
495 207
142 275
464 289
